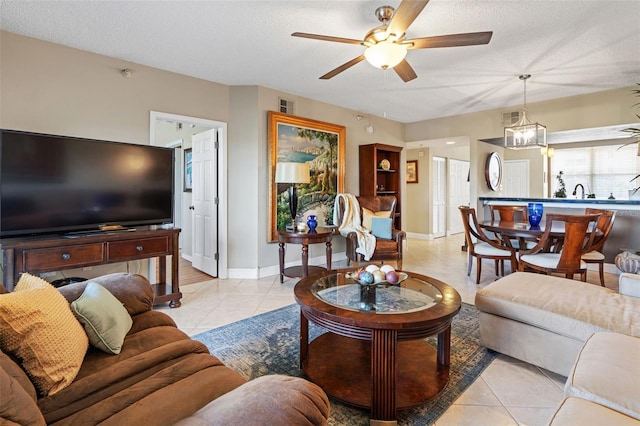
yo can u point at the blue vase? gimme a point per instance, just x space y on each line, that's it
312 223
535 213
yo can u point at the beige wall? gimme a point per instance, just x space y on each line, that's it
417 215
50 88
385 131
606 108
54 89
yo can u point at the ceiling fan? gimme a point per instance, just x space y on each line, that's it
386 46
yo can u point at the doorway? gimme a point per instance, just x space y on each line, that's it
192 125
459 194
439 223
517 184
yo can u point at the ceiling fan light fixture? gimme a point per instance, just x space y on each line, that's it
385 55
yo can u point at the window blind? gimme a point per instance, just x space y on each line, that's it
602 170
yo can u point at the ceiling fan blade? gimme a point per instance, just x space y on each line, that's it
342 67
404 71
451 40
405 14
327 38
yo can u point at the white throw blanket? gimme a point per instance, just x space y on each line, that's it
351 223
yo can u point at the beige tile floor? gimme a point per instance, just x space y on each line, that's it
509 392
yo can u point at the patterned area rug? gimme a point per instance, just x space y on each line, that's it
269 344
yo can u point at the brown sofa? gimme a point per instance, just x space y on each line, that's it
160 377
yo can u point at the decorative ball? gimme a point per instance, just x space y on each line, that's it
366 278
628 262
387 268
371 268
392 277
378 276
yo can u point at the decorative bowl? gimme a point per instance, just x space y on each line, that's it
401 277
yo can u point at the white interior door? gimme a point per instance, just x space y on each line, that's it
459 193
515 181
439 223
205 198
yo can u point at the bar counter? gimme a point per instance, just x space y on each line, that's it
626 228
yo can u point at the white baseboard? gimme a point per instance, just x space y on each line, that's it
268 271
608 267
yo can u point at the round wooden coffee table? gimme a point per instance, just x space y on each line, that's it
373 355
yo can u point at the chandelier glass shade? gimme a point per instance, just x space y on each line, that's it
385 54
525 133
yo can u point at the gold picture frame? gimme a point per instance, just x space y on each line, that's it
322 145
412 171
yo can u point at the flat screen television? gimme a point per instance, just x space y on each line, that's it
59 184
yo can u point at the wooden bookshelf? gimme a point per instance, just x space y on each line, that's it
378 180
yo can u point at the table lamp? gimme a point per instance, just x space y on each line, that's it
292 173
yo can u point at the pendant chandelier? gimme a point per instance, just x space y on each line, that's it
525 133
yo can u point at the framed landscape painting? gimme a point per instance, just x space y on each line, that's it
302 140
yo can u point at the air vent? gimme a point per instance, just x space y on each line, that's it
285 106
510 118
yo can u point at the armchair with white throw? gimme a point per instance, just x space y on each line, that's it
367 224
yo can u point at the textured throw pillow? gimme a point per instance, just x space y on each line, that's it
39 329
367 215
105 320
381 227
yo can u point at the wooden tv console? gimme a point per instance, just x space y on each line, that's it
55 252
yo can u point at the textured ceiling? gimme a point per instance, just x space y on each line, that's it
570 47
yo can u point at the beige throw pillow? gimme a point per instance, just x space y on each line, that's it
368 215
39 329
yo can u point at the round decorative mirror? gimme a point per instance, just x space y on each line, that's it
493 171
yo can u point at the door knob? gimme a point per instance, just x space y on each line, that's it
192 207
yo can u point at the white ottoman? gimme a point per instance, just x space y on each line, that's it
607 372
545 320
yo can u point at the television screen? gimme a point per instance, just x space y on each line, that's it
60 184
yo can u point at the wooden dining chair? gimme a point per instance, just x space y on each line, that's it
482 247
551 255
512 214
594 253
509 213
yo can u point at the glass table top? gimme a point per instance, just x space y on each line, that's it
411 295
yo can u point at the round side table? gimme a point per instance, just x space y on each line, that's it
321 235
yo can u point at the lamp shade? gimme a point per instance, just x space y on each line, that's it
292 173
385 54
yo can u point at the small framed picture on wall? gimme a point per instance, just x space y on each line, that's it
412 171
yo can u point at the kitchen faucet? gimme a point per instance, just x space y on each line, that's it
575 190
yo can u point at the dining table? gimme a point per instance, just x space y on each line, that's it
521 231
